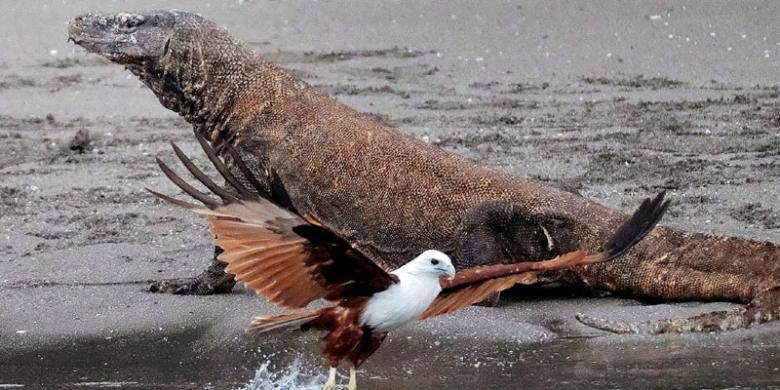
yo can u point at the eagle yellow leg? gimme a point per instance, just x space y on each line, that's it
352 379
331 383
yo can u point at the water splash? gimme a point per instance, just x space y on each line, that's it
292 376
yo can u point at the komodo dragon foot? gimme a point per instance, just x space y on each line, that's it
764 308
214 280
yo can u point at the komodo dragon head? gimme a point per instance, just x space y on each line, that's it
186 60
139 41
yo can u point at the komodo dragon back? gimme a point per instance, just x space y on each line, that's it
393 195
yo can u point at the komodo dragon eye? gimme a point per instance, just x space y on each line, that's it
131 21
134 22
434 261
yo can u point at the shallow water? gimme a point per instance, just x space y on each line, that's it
145 361
292 376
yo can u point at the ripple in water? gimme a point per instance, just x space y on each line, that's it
293 376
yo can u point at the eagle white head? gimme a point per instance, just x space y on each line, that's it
429 263
417 287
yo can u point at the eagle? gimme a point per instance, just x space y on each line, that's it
293 260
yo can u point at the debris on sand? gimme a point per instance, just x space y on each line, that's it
393 52
61 63
81 142
638 81
756 214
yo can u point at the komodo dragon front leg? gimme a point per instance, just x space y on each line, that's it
214 280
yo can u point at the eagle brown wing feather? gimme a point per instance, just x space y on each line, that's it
477 284
477 292
287 260
282 256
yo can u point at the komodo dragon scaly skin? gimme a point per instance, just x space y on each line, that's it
392 195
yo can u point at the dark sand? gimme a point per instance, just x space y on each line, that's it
613 100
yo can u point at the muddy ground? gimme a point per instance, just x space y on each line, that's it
614 100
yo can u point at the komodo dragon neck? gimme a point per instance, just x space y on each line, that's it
214 81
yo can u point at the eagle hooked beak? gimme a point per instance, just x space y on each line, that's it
448 271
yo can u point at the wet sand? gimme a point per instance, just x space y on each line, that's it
614 101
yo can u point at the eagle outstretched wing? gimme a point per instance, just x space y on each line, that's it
289 259
478 283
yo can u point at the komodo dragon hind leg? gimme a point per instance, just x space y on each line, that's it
498 232
764 308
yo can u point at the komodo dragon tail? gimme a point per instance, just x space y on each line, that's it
765 308
761 290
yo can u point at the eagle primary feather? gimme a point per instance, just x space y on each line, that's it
293 260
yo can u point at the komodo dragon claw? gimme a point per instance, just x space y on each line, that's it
214 280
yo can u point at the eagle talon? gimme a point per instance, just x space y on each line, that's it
331 383
352 379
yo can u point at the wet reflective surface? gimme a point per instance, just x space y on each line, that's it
409 360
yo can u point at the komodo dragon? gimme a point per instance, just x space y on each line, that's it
385 191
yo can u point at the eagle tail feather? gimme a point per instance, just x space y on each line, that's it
263 324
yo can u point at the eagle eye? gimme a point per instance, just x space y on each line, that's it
434 261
